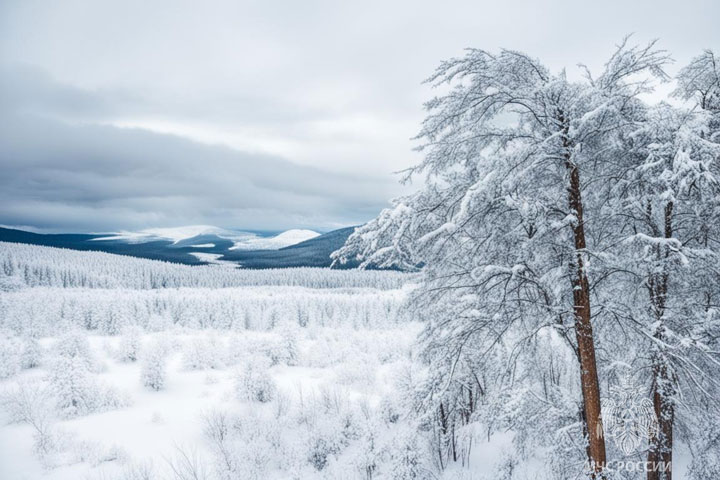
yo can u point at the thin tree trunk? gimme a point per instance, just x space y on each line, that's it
660 452
663 388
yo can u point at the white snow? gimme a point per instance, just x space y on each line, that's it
242 240
285 239
335 351
212 258
331 352
175 234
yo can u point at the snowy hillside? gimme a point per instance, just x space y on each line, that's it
201 244
242 240
175 234
285 239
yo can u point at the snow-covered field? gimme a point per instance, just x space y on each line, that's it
297 374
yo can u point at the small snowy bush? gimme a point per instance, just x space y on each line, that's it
11 356
154 368
390 411
406 457
77 391
254 382
32 353
27 402
31 403
202 354
287 350
322 445
75 345
130 344
332 431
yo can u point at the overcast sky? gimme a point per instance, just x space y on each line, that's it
258 114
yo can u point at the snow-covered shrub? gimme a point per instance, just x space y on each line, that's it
130 344
187 464
506 467
31 402
96 453
11 356
159 323
335 426
243 446
135 471
75 345
237 349
275 349
406 457
28 402
322 445
281 405
279 348
154 367
389 410
368 453
217 428
254 382
359 372
76 390
257 439
32 353
288 351
203 353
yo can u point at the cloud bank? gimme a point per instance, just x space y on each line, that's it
256 114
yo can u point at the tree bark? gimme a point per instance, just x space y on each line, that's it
589 383
660 452
583 329
663 388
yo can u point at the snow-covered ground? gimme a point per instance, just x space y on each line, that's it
212 258
127 381
324 390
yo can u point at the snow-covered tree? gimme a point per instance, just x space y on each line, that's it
75 345
32 353
154 367
254 382
130 344
73 386
700 81
508 227
669 203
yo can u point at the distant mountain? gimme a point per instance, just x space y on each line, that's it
175 234
196 245
310 253
285 239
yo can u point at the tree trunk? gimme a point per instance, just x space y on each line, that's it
663 388
583 329
660 452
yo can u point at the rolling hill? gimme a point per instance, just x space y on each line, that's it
197 246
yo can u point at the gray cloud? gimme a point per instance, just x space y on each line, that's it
254 113
87 176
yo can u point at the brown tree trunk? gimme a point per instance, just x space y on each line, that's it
583 329
663 389
660 452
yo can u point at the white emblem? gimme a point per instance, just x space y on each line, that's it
628 416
